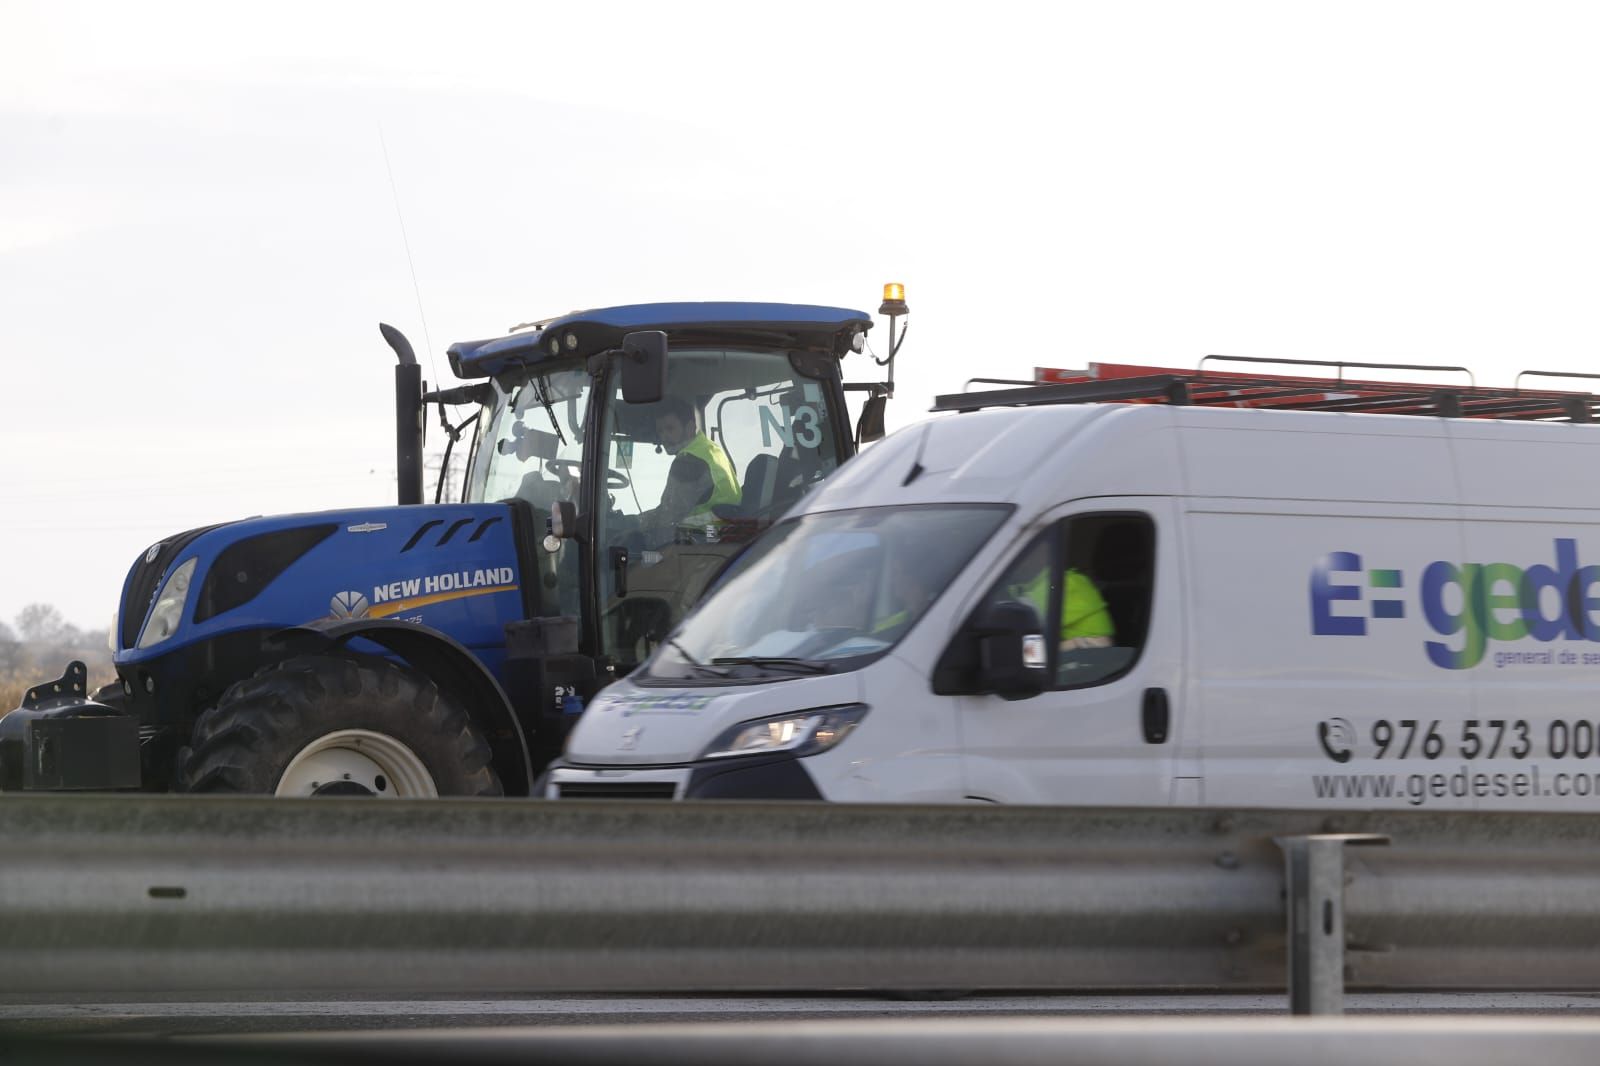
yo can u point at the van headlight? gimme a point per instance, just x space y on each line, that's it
804 733
168 611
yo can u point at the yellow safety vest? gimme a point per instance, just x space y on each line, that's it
893 621
1083 609
724 485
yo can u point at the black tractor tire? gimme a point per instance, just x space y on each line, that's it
307 704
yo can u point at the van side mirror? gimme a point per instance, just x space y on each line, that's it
644 366
1013 659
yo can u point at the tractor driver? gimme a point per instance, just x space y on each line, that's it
701 477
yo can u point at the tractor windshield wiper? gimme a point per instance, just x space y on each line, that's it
774 662
549 408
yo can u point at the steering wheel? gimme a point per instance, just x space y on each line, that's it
572 468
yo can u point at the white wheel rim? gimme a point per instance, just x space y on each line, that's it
378 763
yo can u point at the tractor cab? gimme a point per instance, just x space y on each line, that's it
649 444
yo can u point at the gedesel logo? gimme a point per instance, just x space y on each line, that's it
630 738
1327 589
349 605
1469 606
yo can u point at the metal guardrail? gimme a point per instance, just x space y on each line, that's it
921 1041
152 894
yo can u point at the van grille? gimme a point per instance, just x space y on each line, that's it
623 790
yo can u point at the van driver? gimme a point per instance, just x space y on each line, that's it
1085 620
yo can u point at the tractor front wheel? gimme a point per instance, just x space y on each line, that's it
331 725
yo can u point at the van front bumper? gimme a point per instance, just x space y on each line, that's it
761 777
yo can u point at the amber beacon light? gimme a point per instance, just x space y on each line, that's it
894 307
894 300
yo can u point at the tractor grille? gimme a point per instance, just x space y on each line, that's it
619 790
143 580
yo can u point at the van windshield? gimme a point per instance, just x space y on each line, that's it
825 593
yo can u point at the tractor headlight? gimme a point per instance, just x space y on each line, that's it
806 733
168 611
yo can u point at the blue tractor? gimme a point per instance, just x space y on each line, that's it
618 460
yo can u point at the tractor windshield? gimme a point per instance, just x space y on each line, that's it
533 444
532 450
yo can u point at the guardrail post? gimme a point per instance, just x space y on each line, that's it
1314 880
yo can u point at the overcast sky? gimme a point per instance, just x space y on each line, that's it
198 233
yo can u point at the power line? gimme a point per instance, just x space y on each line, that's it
415 288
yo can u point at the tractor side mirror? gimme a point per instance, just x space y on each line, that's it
564 520
869 427
644 366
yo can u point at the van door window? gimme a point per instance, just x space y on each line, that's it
1092 576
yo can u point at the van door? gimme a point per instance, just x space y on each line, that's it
1104 581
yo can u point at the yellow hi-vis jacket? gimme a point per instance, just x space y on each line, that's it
724 485
1083 609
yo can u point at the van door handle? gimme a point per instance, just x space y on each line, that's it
1157 716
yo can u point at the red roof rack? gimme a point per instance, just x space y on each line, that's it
1127 383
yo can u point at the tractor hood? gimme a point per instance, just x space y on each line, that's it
451 566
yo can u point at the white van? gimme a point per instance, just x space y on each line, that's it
1306 609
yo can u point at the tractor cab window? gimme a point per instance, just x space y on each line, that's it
532 450
736 440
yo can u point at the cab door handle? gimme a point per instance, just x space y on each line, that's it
619 570
1157 716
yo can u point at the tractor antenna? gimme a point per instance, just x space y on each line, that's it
406 241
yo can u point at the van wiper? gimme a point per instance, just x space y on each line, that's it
778 662
692 661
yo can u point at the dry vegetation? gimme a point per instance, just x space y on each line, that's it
12 686
39 648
